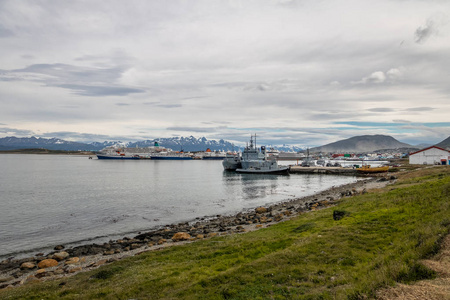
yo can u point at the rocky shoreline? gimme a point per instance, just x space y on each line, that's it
64 262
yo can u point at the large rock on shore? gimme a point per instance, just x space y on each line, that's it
261 210
181 236
28 265
72 260
47 263
60 255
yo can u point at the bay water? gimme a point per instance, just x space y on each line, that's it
47 200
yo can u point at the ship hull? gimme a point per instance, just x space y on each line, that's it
370 170
100 156
280 170
170 158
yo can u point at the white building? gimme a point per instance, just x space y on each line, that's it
430 156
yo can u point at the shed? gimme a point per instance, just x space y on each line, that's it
430 156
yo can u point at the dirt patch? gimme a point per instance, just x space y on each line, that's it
435 289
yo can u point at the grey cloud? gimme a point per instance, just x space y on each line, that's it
216 122
381 109
70 73
170 105
84 81
401 121
194 97
15 131
164 105
424 32
86 90
432 26
85 137
420 109
5 32
193 129
328 116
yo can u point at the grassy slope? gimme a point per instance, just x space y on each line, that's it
377 243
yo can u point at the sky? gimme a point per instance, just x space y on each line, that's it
294 72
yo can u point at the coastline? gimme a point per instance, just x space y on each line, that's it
15 272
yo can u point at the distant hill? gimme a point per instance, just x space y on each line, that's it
445 143
363 143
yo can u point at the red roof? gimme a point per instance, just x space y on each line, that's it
429 148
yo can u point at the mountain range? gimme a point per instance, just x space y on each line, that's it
364 143
176 143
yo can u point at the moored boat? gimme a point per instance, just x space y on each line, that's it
171 155
115 152
256 161
369 169
213 155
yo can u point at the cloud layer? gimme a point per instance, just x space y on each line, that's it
295 72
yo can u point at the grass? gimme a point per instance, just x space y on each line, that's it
379 241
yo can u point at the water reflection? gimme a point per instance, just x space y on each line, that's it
253 186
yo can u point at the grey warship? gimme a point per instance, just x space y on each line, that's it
254 160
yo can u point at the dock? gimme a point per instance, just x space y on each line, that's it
323 170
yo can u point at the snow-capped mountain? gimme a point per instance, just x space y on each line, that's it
176 143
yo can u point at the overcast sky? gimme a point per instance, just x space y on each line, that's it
294 72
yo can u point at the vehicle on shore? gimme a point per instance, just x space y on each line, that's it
256 161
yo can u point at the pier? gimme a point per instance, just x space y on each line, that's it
323 170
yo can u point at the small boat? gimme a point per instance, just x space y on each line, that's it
369 169
257 162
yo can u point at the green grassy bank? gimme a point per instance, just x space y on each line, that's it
379 241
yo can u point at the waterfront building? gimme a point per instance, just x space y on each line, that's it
430 156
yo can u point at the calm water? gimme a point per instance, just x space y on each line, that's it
61 199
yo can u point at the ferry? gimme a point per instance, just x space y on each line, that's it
213 155
115 152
